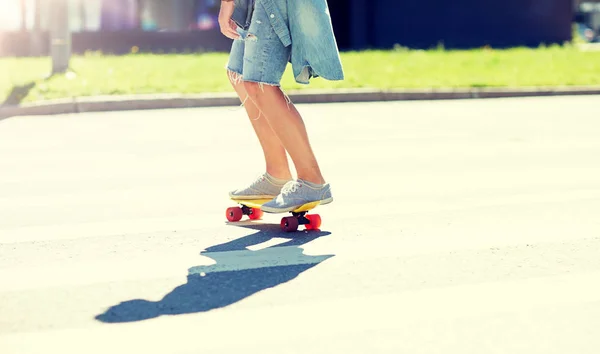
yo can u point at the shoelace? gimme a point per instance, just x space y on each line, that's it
290 187
257 181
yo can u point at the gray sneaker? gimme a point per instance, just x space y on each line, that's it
264 187
297 193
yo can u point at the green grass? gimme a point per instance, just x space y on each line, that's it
198 73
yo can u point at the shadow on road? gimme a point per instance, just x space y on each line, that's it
18 93
238 273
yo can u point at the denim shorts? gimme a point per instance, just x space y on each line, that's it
259 55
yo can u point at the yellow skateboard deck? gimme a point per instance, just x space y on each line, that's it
257 203
251 207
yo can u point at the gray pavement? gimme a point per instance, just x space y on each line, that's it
457 227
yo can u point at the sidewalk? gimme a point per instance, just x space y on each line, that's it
168 101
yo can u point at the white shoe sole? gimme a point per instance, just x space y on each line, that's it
251 197
289 209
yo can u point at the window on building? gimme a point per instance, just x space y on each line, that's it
10 16
179 15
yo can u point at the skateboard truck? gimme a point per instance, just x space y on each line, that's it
291 223
236 213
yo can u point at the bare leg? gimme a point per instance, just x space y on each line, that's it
286 122
275 154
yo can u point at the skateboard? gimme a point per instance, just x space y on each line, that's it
288 223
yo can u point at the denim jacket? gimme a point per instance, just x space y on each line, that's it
309 32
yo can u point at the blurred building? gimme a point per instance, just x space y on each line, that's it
116 26
588 12
113 15
455 24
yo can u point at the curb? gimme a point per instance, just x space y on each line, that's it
173 101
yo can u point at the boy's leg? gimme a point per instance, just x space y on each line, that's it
289 127
275 155
285 120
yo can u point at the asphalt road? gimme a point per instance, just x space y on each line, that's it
457 227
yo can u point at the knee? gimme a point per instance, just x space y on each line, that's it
253 88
